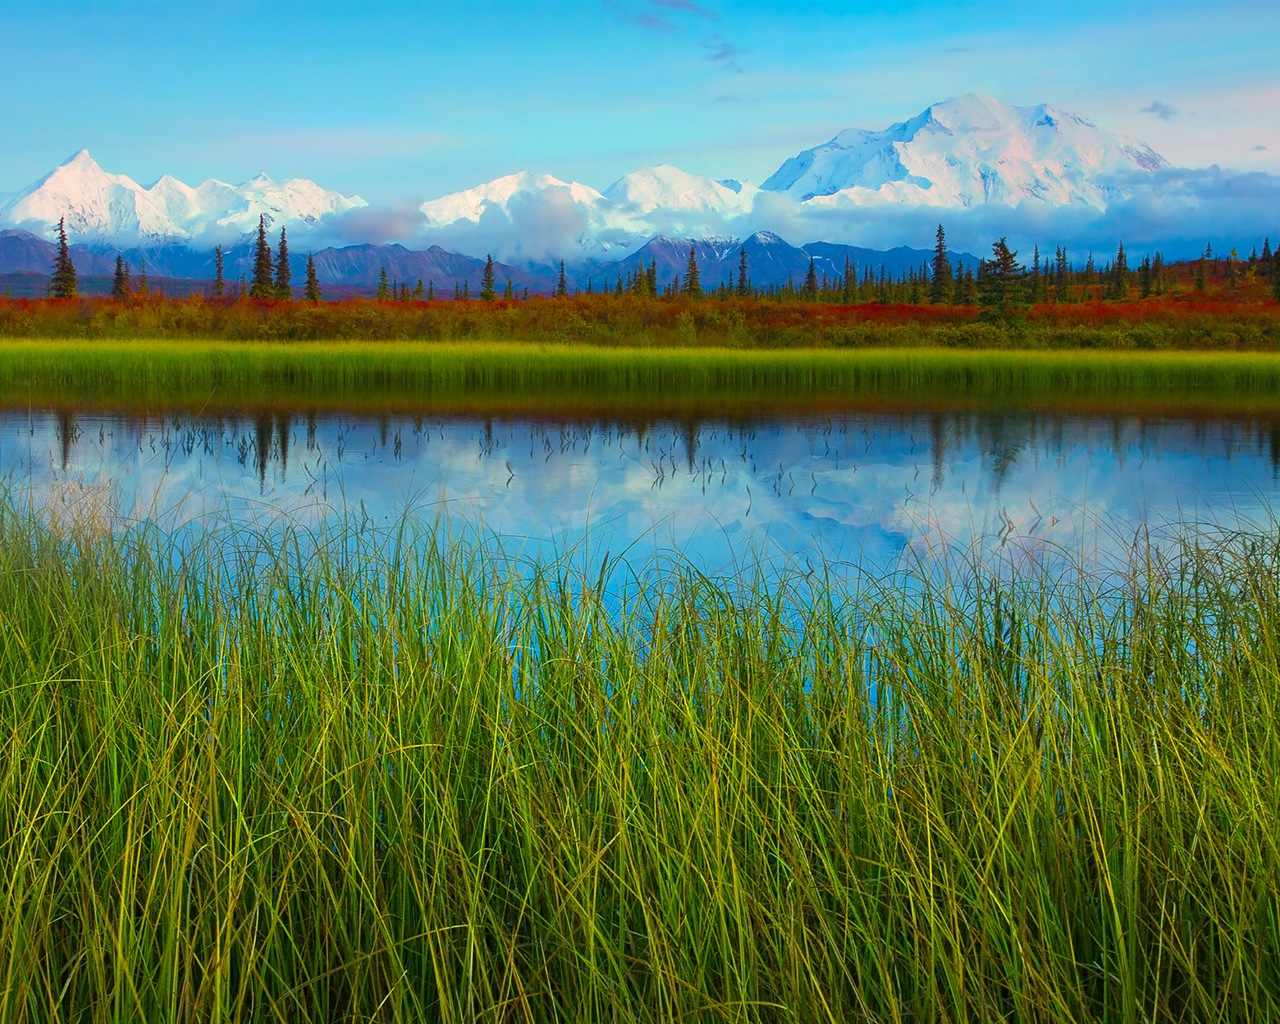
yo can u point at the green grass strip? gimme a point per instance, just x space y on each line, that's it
406 375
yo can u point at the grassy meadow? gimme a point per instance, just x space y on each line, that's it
296 776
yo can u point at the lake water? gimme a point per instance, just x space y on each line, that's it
873 489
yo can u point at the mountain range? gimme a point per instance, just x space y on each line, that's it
971 160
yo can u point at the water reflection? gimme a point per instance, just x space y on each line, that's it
863 488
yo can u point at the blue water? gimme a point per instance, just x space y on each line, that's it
871 490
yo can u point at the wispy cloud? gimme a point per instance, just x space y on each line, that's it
672 18
654 23
1162 110
724 54
687 6
1260 148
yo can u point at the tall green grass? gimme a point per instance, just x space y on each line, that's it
284 776
215 375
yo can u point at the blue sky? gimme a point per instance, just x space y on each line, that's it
413 100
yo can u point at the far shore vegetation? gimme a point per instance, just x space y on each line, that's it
1218 301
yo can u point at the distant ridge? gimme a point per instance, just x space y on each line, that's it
356 269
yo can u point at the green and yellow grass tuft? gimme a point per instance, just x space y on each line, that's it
289 776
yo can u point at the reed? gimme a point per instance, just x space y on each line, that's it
281 775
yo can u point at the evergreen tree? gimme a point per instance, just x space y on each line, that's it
312 294
218 285
1060 274
142 277
62 285
651 279
262 286
417 291
562 285
692 284
283 271
811 282
120 283
742 273
384 286
1275 276
431 291
487 292
1001 279
941 289
1145 277
1120 275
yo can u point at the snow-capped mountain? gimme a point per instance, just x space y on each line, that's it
969 151
686 203
518 213
115 209
983 167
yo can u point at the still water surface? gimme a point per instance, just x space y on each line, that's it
868 488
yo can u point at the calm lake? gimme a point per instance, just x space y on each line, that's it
871 489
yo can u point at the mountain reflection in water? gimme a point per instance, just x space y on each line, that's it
866 488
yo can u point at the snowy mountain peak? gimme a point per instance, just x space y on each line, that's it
113 208
670 189
967 151
81 158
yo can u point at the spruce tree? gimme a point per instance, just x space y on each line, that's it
262 286
62 285
811 282
562 285
692 285
120 283
487 292
1001 279
283 272
217 272
1120 274
312 293
142 277
742 273
384 286
943 284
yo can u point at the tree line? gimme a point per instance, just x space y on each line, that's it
1001 284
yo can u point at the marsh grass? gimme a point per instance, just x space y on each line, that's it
294 776
478 376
